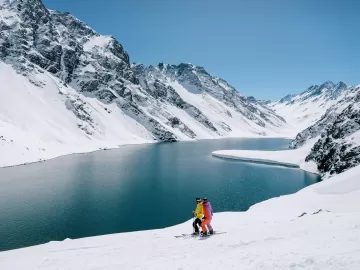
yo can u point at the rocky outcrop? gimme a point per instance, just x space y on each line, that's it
338 148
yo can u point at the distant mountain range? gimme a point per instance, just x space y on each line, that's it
305 109
64 88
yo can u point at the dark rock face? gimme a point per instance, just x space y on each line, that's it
338 149
56 42
313 131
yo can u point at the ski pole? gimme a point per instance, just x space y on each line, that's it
193 220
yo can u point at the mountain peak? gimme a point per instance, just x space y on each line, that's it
20 5
341 85
287 98
327 85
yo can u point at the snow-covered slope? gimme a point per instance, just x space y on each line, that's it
334 136
39 122
303 110
316 228
210 100
53 53
338 149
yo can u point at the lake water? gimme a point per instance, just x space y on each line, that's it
135 187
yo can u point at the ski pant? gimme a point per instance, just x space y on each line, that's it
204 223
197 223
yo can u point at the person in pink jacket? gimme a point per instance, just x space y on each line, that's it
208 213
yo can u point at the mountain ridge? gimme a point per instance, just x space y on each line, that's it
305 109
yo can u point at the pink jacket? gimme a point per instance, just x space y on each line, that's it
208 211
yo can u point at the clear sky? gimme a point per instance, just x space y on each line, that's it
265 48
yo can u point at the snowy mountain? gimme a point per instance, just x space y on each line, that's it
336 133
327 116
70 89
305 109
338 148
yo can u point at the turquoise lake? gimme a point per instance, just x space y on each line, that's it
135 187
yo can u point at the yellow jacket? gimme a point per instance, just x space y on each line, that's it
199 213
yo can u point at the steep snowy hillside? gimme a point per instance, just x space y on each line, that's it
40 122
338 149
48 50
208 99
337 135
303 110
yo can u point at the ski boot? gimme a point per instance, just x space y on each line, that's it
202 234
211 232
195 234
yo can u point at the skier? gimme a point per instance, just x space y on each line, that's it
198 213
208 213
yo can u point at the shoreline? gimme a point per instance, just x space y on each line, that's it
257 161
293 158
108 148
266 162
312 215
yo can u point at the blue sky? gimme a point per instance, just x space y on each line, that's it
264 48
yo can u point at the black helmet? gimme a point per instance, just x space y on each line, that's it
205 199
198 199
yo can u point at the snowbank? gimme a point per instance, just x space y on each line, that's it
316 228
291 158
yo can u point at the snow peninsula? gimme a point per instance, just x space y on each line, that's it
290 158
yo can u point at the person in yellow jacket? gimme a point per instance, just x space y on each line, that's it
199 214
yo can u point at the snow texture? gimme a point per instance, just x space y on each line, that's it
316 228
318 101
